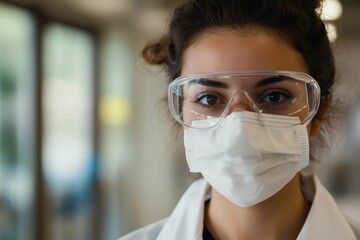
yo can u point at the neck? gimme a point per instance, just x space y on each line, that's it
279 217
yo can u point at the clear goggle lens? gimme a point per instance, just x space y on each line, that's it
216 95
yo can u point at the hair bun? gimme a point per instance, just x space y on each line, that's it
155 53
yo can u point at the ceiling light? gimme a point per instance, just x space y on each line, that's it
331 10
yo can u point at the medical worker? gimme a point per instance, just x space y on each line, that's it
251 83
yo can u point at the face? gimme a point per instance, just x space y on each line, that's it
235 50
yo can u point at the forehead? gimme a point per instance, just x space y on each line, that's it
237 50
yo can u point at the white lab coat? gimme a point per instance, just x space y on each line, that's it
324 221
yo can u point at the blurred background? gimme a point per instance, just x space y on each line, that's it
87 150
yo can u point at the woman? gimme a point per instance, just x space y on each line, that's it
251 84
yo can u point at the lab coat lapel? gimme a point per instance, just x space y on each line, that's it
325 221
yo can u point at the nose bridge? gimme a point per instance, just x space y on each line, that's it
241 101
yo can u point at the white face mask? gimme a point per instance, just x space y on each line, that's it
248 157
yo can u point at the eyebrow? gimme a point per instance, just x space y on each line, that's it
270 80
216 84
210 83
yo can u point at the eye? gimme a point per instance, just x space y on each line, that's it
274 96
208 99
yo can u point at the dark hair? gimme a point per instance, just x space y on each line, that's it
296 21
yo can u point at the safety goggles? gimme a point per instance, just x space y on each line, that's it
216 95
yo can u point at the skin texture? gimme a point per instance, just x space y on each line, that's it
283 215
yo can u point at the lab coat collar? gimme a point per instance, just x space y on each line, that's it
325 220
186 220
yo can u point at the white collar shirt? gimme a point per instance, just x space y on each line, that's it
324 221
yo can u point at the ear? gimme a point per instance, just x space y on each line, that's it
320 116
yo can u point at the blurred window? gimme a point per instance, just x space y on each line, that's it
67 110
68 154
17 139
51 184
116 143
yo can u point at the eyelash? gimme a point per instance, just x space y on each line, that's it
285 93
202 95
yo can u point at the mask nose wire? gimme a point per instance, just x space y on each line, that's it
253 105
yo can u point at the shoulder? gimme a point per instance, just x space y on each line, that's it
149 232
